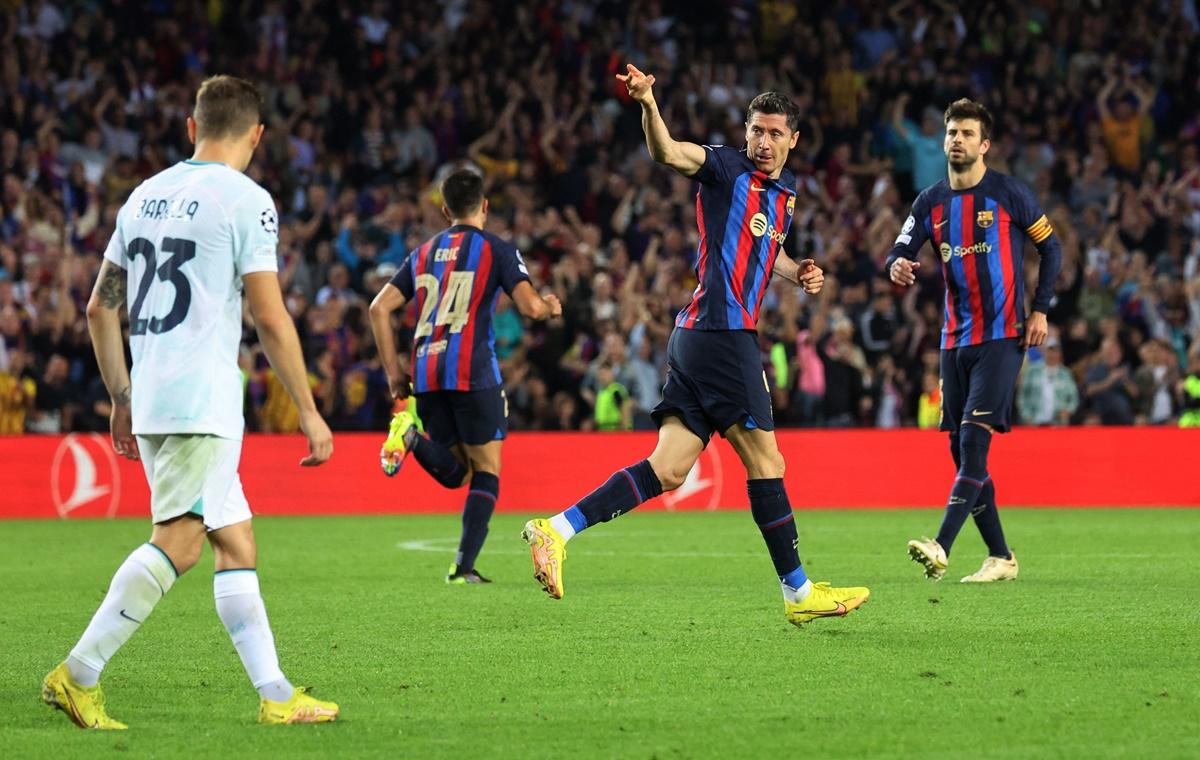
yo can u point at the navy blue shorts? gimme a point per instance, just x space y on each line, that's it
470 417
715 380
978 383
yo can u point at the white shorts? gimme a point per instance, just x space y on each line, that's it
196 474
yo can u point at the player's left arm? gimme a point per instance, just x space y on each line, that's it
1040 231
104 326
389 300
514 278
804 273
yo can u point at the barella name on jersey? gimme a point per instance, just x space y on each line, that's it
157 208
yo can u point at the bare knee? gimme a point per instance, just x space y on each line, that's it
670 474
182 543
234 547
239 557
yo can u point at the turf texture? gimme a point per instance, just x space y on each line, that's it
671 642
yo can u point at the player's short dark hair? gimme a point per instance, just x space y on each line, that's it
462 192
775 102
226 107
965 108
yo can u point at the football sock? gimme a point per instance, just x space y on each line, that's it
972 474
623 491
240 607
438 461
772 513
143 578
987 519
481 502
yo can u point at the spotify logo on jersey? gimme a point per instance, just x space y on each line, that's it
758 224
946 251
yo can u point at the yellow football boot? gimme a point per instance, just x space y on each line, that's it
825 601
83 705
395 448
548 550
301 708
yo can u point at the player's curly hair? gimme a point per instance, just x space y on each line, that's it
965 108
775 102
226 107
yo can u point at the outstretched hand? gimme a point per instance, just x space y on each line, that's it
638 84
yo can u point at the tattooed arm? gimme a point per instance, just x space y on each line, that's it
104 325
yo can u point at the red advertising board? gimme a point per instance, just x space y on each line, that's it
79 476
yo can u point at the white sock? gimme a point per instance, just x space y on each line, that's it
561 524
795 595
240 607
143 578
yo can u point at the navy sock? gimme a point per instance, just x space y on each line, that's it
773 514
481 502
623 491
972 474
439 462
987 519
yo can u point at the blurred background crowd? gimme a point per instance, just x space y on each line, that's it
370 103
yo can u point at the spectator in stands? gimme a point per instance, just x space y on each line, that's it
364 117
1047 394
1110 388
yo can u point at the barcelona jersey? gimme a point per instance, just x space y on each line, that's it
743 216
979 234
456 277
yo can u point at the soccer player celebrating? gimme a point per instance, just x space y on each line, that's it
977 221
715 381
187 243
455 277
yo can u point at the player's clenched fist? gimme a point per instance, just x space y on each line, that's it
638 84
902 272
320 439
812 277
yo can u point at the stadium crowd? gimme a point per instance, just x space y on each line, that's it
369 104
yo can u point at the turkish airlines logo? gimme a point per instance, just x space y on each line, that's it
84 476
701 489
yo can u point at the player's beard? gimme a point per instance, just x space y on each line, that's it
963 164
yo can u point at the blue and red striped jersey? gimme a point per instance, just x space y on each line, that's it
980 235
743 216
456 277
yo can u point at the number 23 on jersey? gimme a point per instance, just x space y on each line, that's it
169 272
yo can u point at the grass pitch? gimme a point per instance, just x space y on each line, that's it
671 642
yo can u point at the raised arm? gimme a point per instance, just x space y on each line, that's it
104 325
684 157
898 116
1103 95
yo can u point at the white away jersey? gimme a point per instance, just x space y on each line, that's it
186 237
